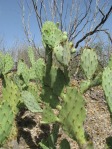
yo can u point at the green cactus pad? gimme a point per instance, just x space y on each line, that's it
49 97
37 71
40 69
51 140
22 67
6 121
58 52
65 144
34 90
62 54
60 82
20 83
107 85
56 80
52 77
6 63
43 146
51 35
30 102
89 62
84 85
31 56
24 71
48 115
26 76
32 74
11 94
66 54
73 114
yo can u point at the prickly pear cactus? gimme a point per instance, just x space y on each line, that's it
6 121
57 41
63 54
6 63
30 102
23 70
35 72
40 69
107 85
11 94
31 56
73 114
58 53
20 83
53 81
35 90
84 85
48 115
50 142
48 96
51 35
89 62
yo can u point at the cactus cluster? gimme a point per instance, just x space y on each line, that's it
47 82
72 111
35 72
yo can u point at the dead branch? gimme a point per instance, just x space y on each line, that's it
38 16
103 20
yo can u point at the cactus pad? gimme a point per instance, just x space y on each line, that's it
30 102
24 71
6 121
73 114
31 56
89 62
51 35
56 80
84 85
35 90
63 53
107 85
6 63
11 94
40 69
49 97
48 115
58 52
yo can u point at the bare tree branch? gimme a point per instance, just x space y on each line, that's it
39 19
109 36
103 20
79 22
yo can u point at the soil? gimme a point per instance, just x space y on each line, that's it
98 125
